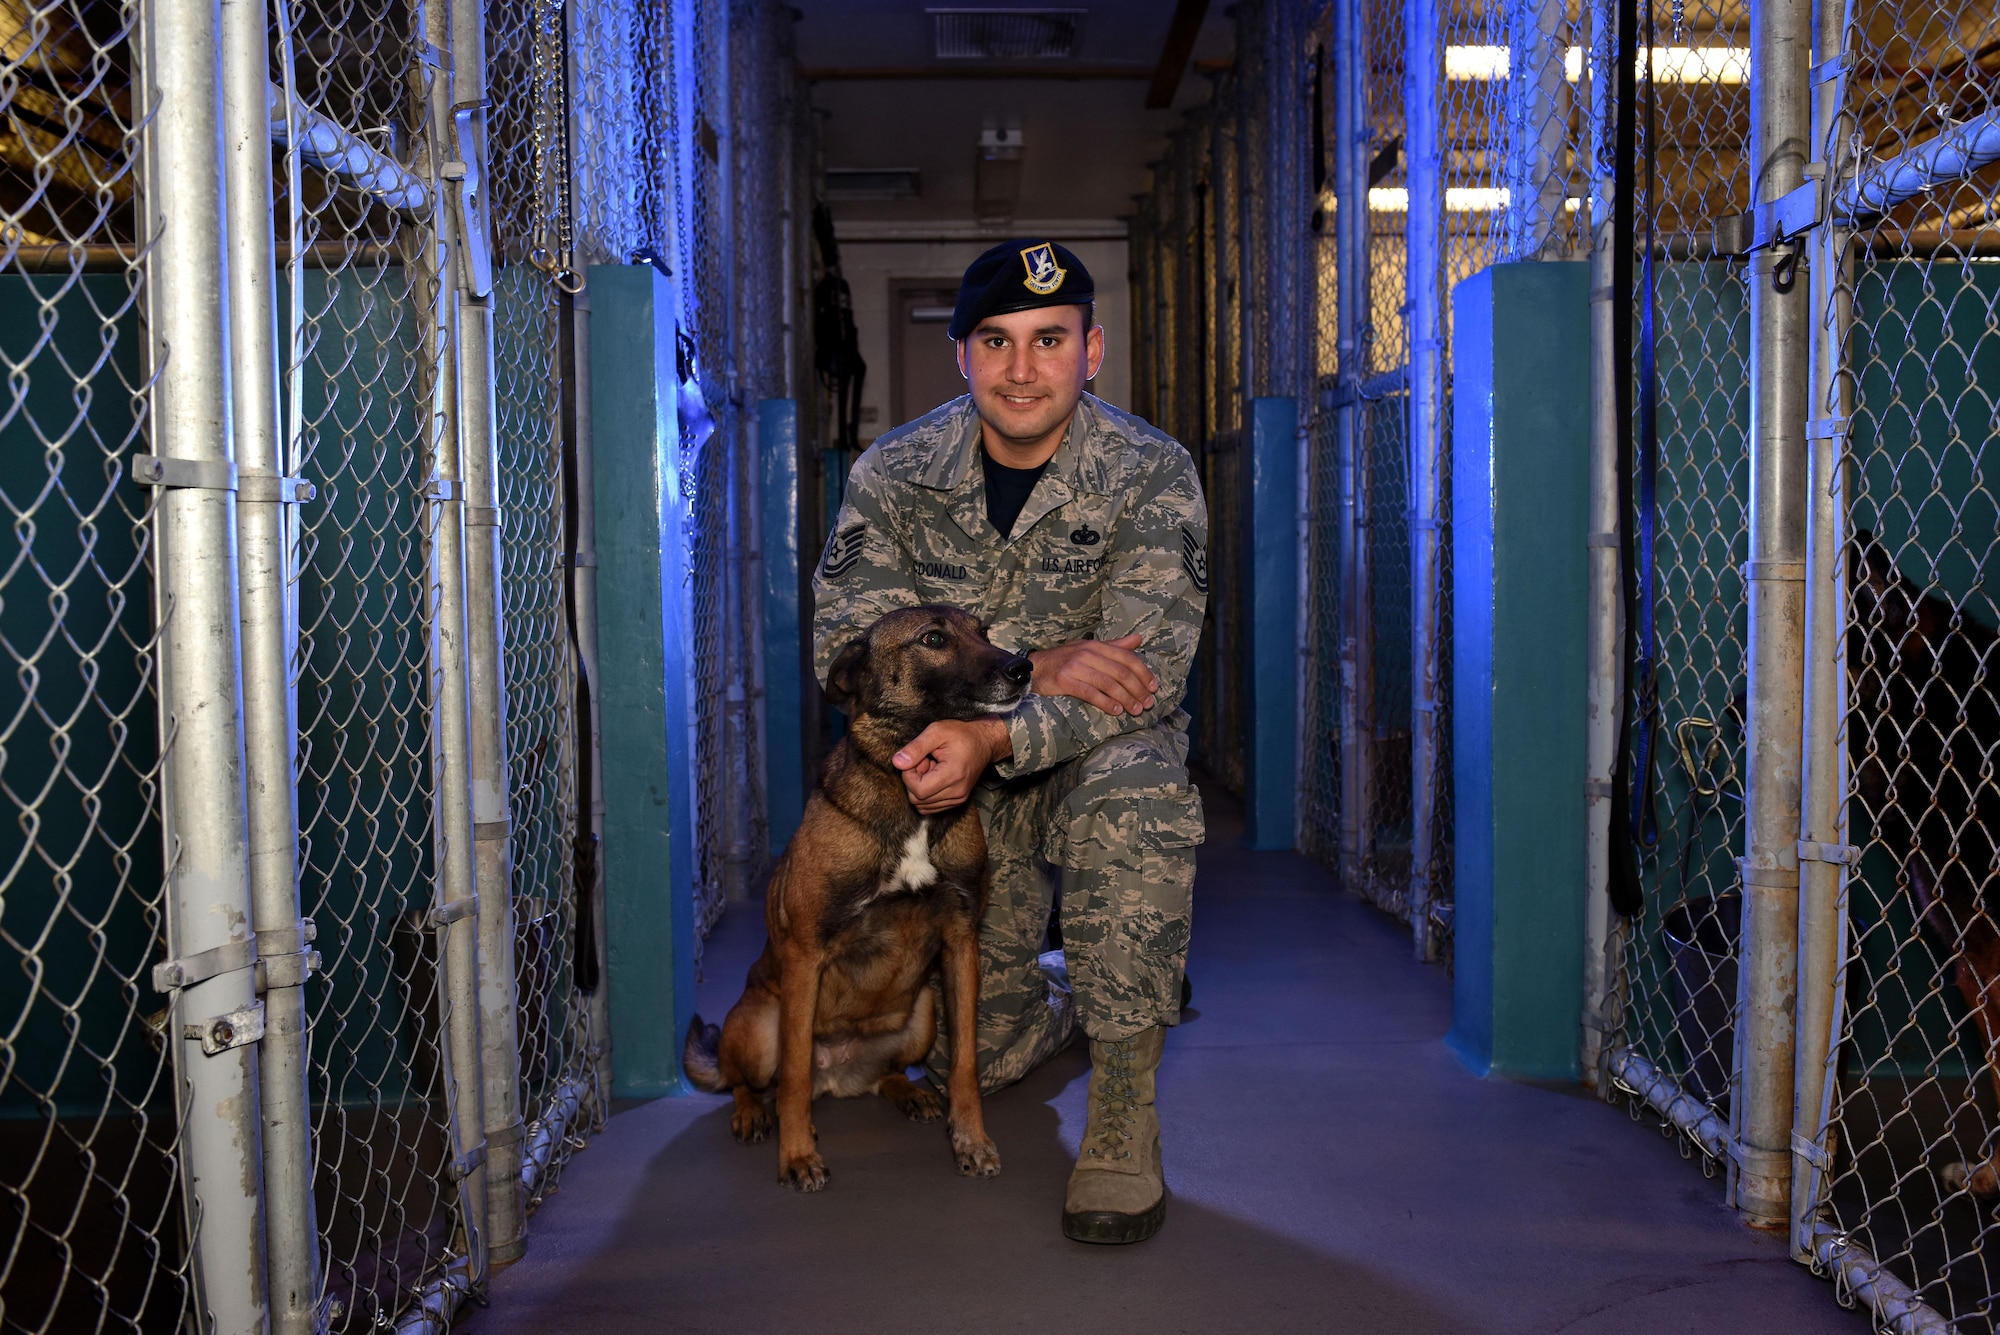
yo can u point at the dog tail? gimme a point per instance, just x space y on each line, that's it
698 1057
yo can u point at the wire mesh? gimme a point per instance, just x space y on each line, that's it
1914 1127
360 357
1320 811
528 191
1677 977
93 1234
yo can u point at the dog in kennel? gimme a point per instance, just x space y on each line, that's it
1924 738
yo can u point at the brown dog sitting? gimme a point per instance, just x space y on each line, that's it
864 904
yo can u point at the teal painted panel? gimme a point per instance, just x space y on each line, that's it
785 663
1273 624
1519 478
643 672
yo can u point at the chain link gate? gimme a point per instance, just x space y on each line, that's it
1894 1163
403 1125
1674 981
94 1228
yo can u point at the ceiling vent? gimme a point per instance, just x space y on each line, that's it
854 183
1006 34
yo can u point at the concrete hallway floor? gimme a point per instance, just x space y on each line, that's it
1333 1168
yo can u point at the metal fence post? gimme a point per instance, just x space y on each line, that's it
265 534
1537 102
1423 156
1604 680
471 287
1767 991
215 1018
1357 649
1822 828
454 913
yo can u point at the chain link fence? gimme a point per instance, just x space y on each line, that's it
1676 979
1900 1209
94 1231
363 527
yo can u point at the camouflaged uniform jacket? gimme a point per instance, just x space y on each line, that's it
1114 539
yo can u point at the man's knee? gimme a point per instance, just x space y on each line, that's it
1131 797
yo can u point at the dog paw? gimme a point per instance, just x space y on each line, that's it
750 1125
976 1156
921 1105
803 1172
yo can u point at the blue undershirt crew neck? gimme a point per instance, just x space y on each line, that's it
1007 491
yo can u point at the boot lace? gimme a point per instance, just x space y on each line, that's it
1110 1130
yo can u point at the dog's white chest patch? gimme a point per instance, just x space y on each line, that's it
915 870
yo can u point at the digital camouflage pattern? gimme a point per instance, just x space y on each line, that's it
1112 541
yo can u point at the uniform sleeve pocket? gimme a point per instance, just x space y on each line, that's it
1173 819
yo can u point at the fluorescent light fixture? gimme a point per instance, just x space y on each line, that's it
1475 64
1457 199
1671 64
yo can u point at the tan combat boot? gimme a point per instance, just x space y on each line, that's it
1117 1193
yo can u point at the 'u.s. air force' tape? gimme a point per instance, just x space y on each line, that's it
1194 560
843 553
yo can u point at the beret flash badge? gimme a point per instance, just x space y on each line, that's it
1194 560
1044 276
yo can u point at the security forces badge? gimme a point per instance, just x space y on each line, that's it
1044 275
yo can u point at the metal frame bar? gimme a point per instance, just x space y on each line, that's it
1357 650
1604 682
1822 886
492 783
1423 152
451 701
205 822
266 530
1767 988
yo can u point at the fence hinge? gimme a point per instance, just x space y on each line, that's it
444 489
1840 855
271 487
473 242
240 1026
1599 295
289 968
1812 1152
150 470
442 914
492 831
199 968
469 1162
1826 428
1791 215
1602 540
482 516
1597 788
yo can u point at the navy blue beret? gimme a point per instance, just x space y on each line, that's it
1019 276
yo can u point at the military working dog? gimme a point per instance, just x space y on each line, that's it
1923 740
868 905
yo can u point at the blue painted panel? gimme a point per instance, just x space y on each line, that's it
643 639
1274 619
784 656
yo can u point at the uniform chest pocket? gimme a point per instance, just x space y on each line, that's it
1065 578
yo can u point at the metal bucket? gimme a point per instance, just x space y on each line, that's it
1702 936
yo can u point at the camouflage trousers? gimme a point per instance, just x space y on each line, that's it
1119 824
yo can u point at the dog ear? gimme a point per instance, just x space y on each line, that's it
843 676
